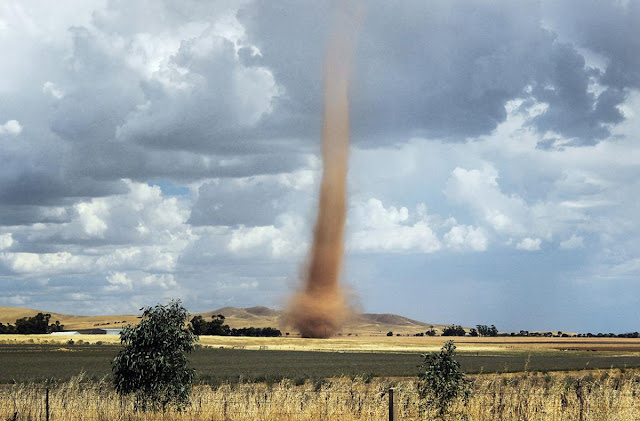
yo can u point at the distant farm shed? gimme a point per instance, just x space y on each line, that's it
95 331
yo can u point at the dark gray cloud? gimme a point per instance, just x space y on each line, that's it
109 160
103 91
443 69
607 28
30 214
573 111
37 169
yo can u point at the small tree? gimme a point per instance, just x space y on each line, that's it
153 363
440 380
485 330
56 327
217 326
199 325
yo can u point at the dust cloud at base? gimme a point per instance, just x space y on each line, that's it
320 307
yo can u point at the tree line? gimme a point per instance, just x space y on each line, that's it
456 330
199 326
37 324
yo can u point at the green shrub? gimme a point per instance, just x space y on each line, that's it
440 380
153 364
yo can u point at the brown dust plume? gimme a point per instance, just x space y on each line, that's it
319 309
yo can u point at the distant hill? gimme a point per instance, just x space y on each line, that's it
365 323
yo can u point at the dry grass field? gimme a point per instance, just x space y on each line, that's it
604 395
377 343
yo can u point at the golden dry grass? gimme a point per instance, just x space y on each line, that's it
366 343
70 322
610 395
58 339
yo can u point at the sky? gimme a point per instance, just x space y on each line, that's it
152 150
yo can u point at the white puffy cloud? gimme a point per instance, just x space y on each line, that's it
510 215
26 263
129 281
374 228
286 239
142 215
6 241
11 127
118 281
465 237
529 244
479 189
164 280
53 90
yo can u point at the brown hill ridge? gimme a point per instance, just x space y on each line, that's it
70 322
259 316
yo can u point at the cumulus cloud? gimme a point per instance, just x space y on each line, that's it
11 127
22 263
529 244
479 189
510 215
464 237
118 281
123 281
376 228
53 90
6 241
266 241
142 215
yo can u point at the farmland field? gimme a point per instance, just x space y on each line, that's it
344 378
378 343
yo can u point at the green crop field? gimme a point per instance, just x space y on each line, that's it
39 362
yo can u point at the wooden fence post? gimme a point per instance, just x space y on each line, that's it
46 404
393 413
